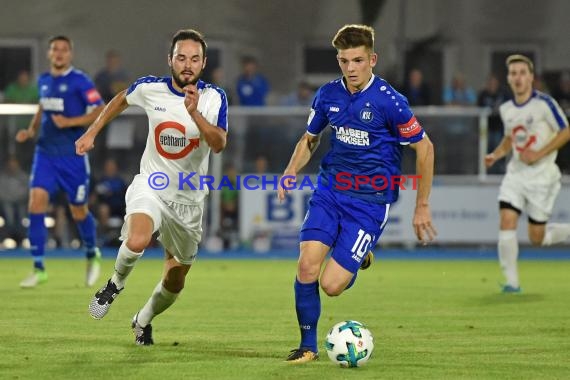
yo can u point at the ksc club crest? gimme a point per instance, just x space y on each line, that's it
366 115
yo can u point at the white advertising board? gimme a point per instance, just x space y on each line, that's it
461 214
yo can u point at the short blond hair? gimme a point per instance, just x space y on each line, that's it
354 35
520 58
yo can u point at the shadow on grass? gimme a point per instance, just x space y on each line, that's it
498 299
197 348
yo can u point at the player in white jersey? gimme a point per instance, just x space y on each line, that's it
535 129
187 119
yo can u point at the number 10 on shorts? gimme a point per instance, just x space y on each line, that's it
361 245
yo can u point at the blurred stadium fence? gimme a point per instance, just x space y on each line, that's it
261 140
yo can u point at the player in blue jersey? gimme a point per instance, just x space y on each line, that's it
370 123
68 102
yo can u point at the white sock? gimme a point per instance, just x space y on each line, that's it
508 255
160 300
556 233
124 264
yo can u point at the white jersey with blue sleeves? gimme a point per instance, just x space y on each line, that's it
532 125
174 144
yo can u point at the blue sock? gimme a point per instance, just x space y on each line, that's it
352 280
308 306
37 233
87 232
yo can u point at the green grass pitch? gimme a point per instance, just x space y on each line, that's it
236 320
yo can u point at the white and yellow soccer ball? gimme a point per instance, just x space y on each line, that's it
349 344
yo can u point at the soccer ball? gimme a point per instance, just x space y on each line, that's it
349 344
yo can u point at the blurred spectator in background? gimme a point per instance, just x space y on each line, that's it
539 84
459 94
251 87
218 78
562 92
110 192
492 96
13 197
108 199
261 164
113 78
23 90
416 90
302 96
229 209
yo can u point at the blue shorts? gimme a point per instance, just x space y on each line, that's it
350 226
67 173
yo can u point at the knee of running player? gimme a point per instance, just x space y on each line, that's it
39 201
137 242
308 270
332 286
79 212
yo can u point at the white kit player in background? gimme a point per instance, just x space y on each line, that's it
187 118
535 129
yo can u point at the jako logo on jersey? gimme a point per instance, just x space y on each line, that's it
161 109
410 129
52 104
521 138
366 115
351 136
334 109
169 141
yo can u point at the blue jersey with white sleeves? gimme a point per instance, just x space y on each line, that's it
369 129
70 94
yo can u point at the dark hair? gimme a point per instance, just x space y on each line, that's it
520 58
352 36
246 59
188 34
61 38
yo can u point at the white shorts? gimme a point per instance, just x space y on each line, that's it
179 225
536 199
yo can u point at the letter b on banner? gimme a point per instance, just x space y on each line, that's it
279 211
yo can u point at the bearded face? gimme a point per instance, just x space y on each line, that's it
187 62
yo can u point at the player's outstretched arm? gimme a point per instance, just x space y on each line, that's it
423 227
117 105
500 151
304 149
83 120
28 133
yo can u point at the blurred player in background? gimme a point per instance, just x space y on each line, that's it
370 123
187 119
535 129
68 102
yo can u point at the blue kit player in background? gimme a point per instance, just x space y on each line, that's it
68 102
370 123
